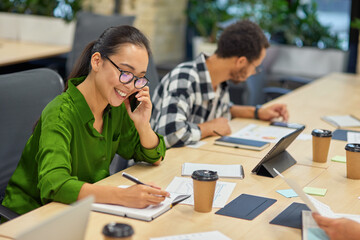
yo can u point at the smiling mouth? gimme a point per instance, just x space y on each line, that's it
122 94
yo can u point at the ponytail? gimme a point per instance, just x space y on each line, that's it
82 65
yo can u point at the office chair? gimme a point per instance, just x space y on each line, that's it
23 96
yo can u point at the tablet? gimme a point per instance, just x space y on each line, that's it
278 157
241 143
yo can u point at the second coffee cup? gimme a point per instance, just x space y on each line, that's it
321 142
204 182
353 160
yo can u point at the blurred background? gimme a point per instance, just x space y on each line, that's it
309 38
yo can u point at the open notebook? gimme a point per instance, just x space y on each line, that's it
146 214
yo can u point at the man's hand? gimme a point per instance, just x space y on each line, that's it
274 111
220 125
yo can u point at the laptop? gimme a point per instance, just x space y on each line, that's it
69 224
278 157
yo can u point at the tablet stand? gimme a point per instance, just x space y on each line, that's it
281 162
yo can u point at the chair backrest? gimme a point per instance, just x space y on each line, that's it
89 27
23 96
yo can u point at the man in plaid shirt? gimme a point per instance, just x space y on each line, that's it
192 101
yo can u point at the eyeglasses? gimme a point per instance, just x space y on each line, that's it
126 77
258 69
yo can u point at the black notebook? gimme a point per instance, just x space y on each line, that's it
241 143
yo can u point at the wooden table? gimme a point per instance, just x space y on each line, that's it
13 52
335 94
182 218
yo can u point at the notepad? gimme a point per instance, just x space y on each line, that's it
338 158
342 121
145 214
223 171
315 191
289 193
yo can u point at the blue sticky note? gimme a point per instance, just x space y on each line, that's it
317 234
289 193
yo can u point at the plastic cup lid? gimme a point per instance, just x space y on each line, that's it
352 147
321 133
117 230
204 175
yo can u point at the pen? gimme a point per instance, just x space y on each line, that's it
134 179
218 133
137 181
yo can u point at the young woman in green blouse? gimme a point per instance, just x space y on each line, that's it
80 131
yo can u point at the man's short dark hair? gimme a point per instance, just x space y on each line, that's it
243 38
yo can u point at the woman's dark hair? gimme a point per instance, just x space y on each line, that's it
243 38
106 45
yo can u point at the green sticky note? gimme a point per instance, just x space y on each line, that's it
338 158
315 191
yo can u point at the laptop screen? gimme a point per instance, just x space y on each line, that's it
69 224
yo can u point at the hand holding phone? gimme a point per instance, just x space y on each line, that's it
134 103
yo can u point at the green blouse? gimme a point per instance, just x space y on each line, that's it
65 151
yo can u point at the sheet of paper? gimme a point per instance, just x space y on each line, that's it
263 133
234 170
338 158
214 235
289 193
343 120
196 145
315 191
353 137
312 203
182 185
304 137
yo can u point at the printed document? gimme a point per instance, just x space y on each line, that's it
214 235
230 171
182 185
263 133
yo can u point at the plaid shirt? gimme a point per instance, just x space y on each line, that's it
183 99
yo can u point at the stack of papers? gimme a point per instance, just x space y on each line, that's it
342 121
225 171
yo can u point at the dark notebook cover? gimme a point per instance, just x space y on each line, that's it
291 216
246 206
340 134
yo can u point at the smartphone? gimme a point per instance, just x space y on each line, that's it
134 103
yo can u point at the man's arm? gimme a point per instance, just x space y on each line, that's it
174 124
264 113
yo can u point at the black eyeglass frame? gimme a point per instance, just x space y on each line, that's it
127 72
258 69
